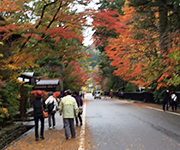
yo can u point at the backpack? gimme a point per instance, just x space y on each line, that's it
50 107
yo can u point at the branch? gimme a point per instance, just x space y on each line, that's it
42 14
53 18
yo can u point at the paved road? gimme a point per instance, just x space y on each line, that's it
118 125
110 125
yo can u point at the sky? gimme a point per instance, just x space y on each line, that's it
88 32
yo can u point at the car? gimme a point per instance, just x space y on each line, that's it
97 94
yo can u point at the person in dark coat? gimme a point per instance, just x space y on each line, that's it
79 103
61 95
38 102
165 98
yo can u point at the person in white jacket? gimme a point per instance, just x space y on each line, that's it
52 106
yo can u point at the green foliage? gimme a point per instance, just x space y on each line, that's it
114 5
175 55
9 100
52 75
157 95
128 87
28 88
113 82
104 65
117 83
38 72
51 60
95 59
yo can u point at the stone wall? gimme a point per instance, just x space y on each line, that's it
10 133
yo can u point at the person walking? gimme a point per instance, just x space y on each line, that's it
122 94
68 107
38 105
105 95
119 93
174 101
52 106
79 103
111 94
60 96
165 98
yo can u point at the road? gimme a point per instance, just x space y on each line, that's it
119 125
110 124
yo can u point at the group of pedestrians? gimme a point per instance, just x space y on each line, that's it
169 99
107 94
68 106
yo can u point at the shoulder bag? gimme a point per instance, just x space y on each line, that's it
80 110
44 113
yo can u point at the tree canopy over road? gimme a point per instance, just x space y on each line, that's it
44 37
141 38
138 42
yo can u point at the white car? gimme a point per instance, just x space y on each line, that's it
97 94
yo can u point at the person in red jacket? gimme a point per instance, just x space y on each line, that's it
111 94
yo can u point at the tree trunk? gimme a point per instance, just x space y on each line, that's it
163 23
22 103
60 70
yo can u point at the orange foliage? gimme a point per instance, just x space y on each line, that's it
138 61
79 73
50 27
123 49
97 77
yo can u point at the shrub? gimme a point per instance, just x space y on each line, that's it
3 113
9 102
157 95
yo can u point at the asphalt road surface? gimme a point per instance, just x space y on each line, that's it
110 124
119 125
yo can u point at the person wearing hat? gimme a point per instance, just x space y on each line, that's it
52 106
38 105
68 107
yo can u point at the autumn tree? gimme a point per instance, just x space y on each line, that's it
161 19
74 76
104 19
41 25
136 52
33 31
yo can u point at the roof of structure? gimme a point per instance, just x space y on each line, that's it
48 82
26 76
29 74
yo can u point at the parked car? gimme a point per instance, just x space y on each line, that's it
97 94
